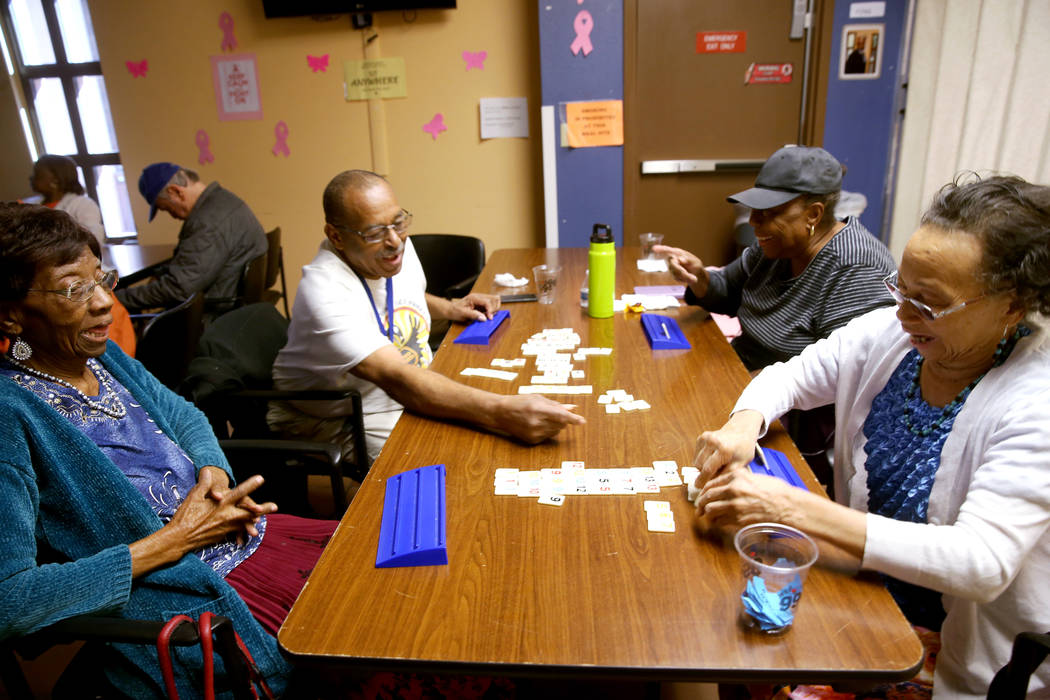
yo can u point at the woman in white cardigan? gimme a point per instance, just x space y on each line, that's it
942 444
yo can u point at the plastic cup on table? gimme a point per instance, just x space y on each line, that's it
546 281
775 560
647 241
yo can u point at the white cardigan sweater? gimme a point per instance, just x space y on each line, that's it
986 545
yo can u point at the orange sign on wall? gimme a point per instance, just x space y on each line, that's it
598 123
721 42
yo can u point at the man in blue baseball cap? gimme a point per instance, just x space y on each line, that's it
219 237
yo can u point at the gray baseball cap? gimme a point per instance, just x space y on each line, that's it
791 171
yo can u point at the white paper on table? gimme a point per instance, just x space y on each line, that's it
505 279
504 117
652 302
657 265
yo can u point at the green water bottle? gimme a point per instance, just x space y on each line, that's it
601 270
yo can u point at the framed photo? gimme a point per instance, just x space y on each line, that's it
861 57
236 80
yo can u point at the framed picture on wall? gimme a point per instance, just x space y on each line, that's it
236 82
861 57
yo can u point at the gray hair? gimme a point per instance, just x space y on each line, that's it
1011 219
181 178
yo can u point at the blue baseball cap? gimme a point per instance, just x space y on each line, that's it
152 181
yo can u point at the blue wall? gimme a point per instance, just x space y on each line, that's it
859 116
858 129
590 180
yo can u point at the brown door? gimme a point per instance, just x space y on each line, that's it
689 101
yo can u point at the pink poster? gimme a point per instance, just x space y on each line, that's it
236 81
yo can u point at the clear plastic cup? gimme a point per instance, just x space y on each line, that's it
775 560
647 241
546 281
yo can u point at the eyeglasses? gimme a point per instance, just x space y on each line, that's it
81 291
923 310
375 234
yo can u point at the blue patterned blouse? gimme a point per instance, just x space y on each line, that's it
905 437
157 467
901 468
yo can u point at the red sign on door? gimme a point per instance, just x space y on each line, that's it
721 42
768 73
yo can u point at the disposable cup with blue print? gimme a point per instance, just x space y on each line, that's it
775 560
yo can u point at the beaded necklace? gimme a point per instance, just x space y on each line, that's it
1002 351
109 403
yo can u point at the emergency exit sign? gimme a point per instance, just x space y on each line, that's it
721 42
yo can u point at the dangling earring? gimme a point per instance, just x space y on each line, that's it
20 350
812 230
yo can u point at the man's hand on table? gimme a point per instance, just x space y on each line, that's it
473 307
533 418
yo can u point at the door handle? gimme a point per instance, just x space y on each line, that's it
660 167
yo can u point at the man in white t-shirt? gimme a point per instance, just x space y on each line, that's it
341 335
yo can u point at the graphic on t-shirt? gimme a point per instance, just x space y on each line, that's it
411 332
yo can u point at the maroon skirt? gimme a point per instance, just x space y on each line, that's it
271 579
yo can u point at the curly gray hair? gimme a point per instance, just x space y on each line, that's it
1011 219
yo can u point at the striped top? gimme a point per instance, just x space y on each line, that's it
780 314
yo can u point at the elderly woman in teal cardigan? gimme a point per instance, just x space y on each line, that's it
116 497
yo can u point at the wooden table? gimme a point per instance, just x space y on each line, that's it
135 262
582 590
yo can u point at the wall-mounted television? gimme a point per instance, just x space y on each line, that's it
300 8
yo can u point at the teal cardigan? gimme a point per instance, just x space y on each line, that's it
62 498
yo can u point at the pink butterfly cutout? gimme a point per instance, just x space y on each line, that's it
318 63
137 68
435 125
475 59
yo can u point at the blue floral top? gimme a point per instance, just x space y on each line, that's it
157 467
901 469
905 437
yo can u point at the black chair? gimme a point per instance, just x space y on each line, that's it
169 341
451 264
252 287
84 677
275 270
230 381
1029 652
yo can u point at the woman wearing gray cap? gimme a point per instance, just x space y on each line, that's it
806 275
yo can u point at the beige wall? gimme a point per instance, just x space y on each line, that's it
456 184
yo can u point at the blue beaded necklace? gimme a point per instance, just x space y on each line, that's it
1002 351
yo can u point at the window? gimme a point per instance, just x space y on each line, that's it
54 55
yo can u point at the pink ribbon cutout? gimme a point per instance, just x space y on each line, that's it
229 41
202 143
281 133
583 24
436 125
